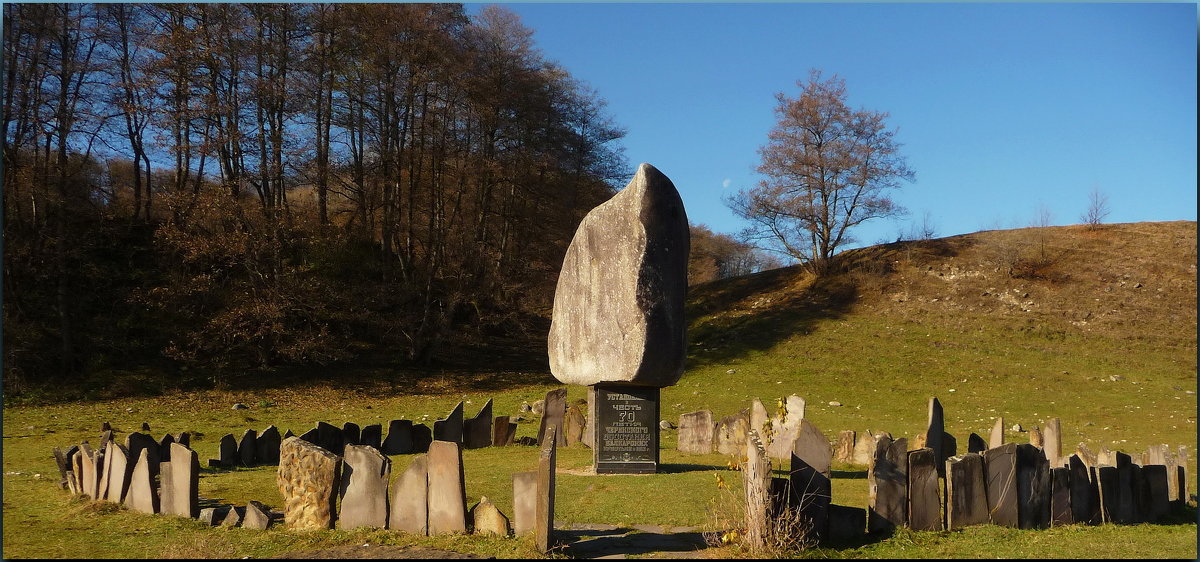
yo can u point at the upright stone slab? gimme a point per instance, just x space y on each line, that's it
1033 488
312 436
1141 495
1085 506
731 433
618 307
364 487
166 495
924 497
1052 441
966 494
1086 455
101 459
477 431
451 428
308 479
996 438
1060 497
352 432
447 492
399 438
1125 513
626 429
1181 474
142 495
543 523
887 480
1035 437
227 451
843 451
504 432
573 425
864 449
811 486
409 510
487 519
934 435
846 523
372 436
184 482
759 418
976 444
785 428
330 437
266 446
553 412
257 516
1000 469
164 448
136 443
696 433
756 485
1155 476
422 436
119 471
87 470
525 500
1107 482
248 448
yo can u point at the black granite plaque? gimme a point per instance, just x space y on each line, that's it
626 430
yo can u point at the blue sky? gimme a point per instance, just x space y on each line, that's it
1003 109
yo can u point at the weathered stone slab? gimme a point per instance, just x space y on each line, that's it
618 307
1052 441
352 433
543 522
487 519
166 497
422 436
227 451
1000 470
213 516
1107 481
184 482
976 444
811 457
864 449
364 486
696 432
1035 437
409 510
1181 464
247 448
846 523
164 448
731 433
552 416
1033 488
573 424
934 433
1157 500
234 517
759 419
525 500
924 497
312 436
887 479
996 438
966 494
266 446
330 438
1086 455
257 516
451 428
1085 506
102 467
447 492
843 451
184 438
372 436
785 428
119 470
1060 497
137 442
477 431
88 471
142 496
399 438
756 485
1141 495
60 460
1124 514
504 432
308 479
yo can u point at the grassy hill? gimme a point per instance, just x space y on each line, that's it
1095 328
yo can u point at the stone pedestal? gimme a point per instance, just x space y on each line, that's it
626 428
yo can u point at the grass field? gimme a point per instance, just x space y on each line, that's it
1102 337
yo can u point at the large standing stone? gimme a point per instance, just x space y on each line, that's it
227 451
696 432
786 427
1084 494
352 433
843 451
451 428
618 308
258 516
184 482
731 433
372 436
811 457
552 415
422 436
365 476
888 485
1156 491
266 446
525 500
1000 468
410 512
308 479
924 497
1060 496
447 492
504 432
1033 488
573 424
1052 442
141 495
996 438
487 519
966 496
935 433
247 448
399 438
543 523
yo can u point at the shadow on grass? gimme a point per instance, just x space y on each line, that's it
622 543
849 474
680 468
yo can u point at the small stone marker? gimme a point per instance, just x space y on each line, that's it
365 476
1052 442
330 438
811 457
451 428
141 495
924 497
1033 487
184 482
227 451
976 444
504 432
618 306
399 438
257 516
846 523
543 524
234 517
487 518
1085 505
1000 470
524 501
1060 497
372 436
247 448
966 497
552 415
1156 491
266 446
936 430
696 433
888 485
352 433
996 438
731 433
573 424
843 451
422 436
409 510
477 431
308 479
447 493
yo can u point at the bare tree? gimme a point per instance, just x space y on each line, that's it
1097 209
828 169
